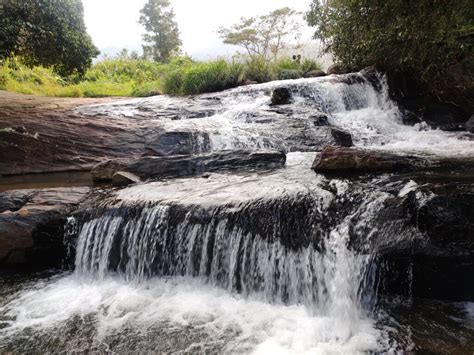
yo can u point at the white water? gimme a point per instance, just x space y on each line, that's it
244 120
291 301
255 326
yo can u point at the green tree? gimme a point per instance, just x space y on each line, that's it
46 32
162 37
429 39
265 35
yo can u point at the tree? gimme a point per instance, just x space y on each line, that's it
46 32
162 35
263 35
431 40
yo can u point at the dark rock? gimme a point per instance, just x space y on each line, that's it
178 143
341 137
13 200
314 74
281 96
427 243
418 105
470 124
349 160
186 165
445 116
320 120
338 69
123 178
33 233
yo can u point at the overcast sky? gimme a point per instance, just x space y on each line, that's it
113 24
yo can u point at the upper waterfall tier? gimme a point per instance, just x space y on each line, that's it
244 118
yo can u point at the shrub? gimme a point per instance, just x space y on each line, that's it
131 77
290 74
259 70
429 40
173 81
209 77
309 65
147 89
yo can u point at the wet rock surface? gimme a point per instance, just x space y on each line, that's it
32 225
233 206
423 236
356 161
342 138
422 107
315 74
123 178
240 138
281 96
188 165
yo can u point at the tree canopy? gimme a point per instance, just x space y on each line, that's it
162 37
263 35
431 39
48 33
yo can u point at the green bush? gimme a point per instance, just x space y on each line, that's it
147 89
431 41
131 77
310 65
173 81
259 70
287 74
210 77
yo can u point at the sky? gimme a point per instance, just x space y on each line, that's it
113 24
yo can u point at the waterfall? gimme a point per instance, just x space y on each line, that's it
223 249
241 261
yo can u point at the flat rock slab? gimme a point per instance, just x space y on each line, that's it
32 224
350 160
186 165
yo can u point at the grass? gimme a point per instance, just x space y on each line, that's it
139 78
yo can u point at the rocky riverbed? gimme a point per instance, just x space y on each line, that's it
328 210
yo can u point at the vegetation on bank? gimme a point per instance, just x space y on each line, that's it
431 41
124 76
50 33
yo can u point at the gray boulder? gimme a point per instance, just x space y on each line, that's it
32 230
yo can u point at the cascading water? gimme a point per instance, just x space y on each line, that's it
234 262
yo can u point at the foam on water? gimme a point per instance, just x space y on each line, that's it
359 105
151 269
257 327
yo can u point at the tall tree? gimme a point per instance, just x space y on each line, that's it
264 35
162 37
46 32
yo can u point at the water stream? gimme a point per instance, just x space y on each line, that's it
236 262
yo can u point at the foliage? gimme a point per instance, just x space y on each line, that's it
309 65
131 77
50 33
162 35
203 77
151 88
264 35
258 69
432 40
287 74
